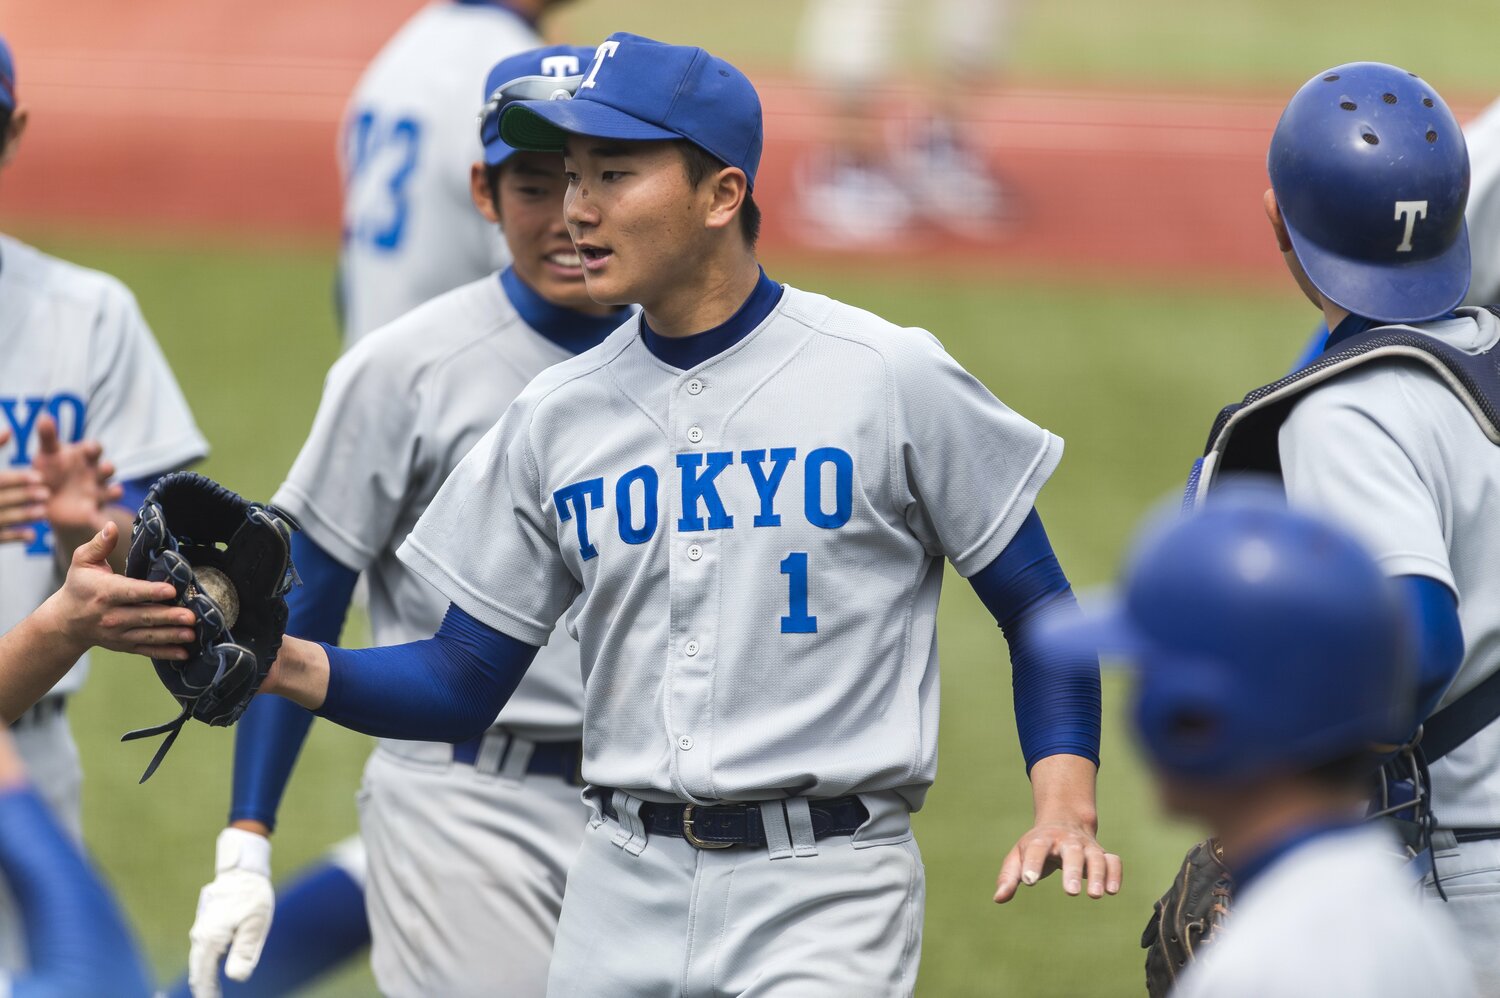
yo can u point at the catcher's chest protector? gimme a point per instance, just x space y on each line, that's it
1244 436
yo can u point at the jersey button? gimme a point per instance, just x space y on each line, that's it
695 551
685 742
695 434
690 649
695 387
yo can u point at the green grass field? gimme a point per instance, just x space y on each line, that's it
1187 43
1129 376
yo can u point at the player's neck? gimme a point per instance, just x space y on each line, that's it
714 294
1333 315
1260 818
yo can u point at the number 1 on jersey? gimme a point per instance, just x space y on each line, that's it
797 620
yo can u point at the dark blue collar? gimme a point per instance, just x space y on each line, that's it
1249 870
683 352
1353 325
573 331
497 3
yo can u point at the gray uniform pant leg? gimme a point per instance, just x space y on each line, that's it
1471 879
51 757
670 919
466 876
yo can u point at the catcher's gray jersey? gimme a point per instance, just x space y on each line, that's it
409 134
1392 454
73 344
399 411
1335 916
757 542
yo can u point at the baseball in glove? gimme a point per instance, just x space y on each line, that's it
230 560
1187 917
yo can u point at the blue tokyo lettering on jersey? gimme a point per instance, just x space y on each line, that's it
21 415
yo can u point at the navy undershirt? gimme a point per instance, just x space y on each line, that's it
573 331
683 352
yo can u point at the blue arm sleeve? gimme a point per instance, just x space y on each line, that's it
1440 639
77 940
1312 348
1057 694
445 689
270 734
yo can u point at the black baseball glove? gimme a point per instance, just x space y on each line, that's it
230 561
1188 917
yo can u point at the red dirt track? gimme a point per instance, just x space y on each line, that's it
180 116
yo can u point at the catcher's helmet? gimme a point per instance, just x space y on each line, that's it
1371 172
1264 640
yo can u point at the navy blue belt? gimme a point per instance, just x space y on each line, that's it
560 759
719 826
43 710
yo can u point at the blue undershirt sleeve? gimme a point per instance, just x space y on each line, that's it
1440 639
1314 346
447 688
1057 697
135 492
269 736
76 939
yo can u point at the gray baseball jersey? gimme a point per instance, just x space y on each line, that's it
1392 454
75 345
1335 916
408 136
754 545
1483 211
399 411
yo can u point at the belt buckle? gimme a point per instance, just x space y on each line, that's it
687 832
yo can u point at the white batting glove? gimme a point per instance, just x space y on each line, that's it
234 912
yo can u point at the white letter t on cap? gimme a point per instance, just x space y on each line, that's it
608 49
1411 211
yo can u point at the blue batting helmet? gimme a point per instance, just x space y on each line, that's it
550 73
1371 172
7 78
1264 640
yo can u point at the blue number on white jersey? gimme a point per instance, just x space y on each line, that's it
393 145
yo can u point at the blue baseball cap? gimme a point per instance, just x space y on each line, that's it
550 73
7 78
638 89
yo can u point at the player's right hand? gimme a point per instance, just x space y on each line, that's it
234 912
23 500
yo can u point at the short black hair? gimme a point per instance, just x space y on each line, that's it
699 163
5 114
492 181
1347 772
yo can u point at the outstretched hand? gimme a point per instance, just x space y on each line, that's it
1063 834
96 607
76 477
23 501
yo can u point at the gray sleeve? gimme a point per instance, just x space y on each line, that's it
1343 457
1483 211
351 479
135 408
967 467
487 541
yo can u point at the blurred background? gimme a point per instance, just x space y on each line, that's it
1066 193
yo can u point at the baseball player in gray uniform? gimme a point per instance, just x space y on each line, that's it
406 140
1274 664
741 500
468 844
1391 429
79 371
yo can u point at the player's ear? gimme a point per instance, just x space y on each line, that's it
18 119
729 190
1278 225
485 197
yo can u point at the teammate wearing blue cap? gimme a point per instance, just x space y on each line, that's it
81 379
742 500
1391 429
1274 666
468 844
406 136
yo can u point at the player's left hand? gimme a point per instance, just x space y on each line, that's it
1068 845
77 479
97 608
